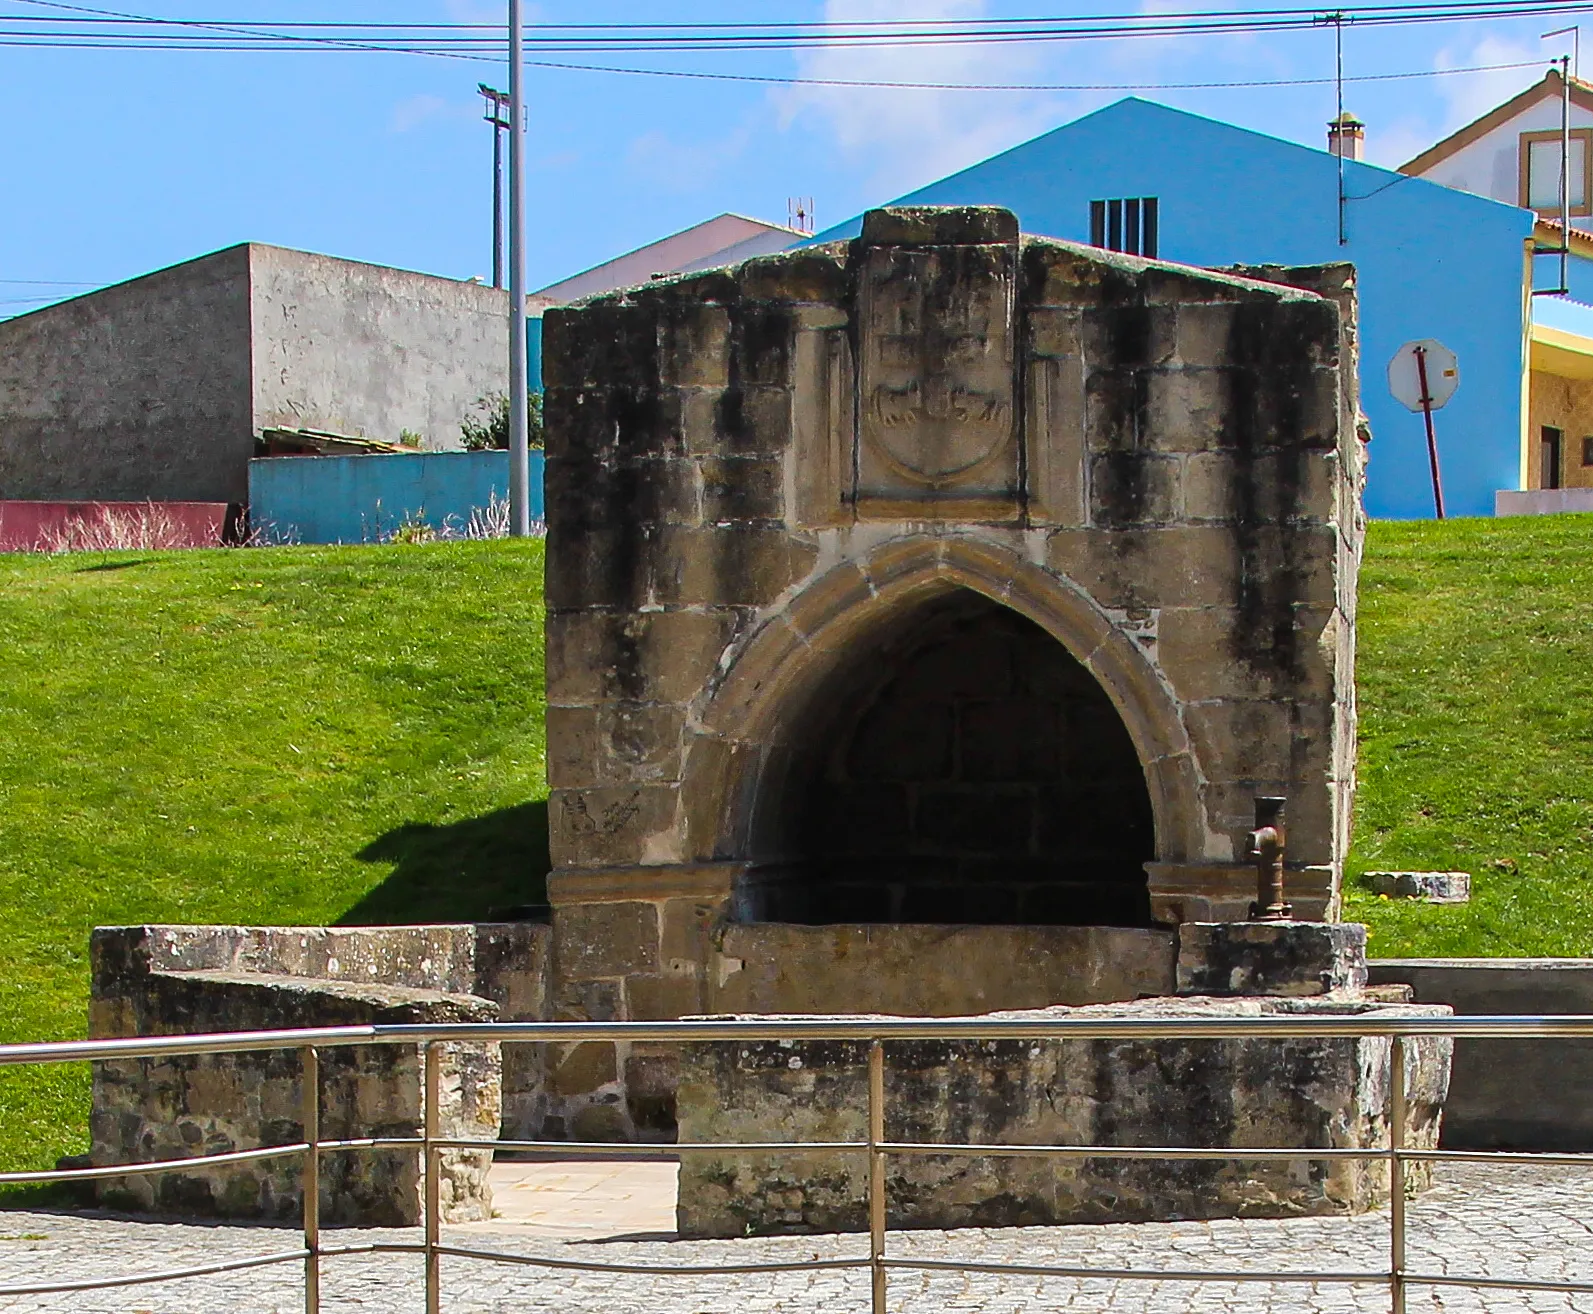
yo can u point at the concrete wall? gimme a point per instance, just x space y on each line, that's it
157 388
138 391
1430 262
1542 501
364 349
89 526
361 499
1522 1094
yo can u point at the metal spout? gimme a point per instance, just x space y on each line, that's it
1267 843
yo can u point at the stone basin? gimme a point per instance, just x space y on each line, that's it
1310 1093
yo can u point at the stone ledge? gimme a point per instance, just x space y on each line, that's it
716 880
1224 891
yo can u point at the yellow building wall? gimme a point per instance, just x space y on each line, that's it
1567 405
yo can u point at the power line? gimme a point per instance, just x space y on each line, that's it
1042 86
827 30
879 84
571 38
258 36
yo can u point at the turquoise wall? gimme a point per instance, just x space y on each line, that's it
362 499
1431 262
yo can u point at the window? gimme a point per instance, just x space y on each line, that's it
1549 457
1540 171
1129 226
1587 451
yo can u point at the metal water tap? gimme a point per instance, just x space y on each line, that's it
1266 848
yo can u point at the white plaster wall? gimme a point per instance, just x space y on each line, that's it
1490 166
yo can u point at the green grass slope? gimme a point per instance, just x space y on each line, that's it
355 734
283 736
1475 678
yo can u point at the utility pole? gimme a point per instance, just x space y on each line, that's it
497 108
519 452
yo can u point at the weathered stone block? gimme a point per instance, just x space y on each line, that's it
1311 1094
1428 886
742 488
663 998
661 656
585 1067
1268 646
605 940
694 346
813 273
730 565
609 827
184 1106
1134 488
1294 959
574 757
640 741
934 971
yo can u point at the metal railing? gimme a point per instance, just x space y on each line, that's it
875 1032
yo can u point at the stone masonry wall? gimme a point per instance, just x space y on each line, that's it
504 962
1243 1093
154 980
753 473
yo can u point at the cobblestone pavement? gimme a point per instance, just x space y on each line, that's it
1500 1221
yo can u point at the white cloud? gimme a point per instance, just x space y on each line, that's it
412 111
1460 97
1470 95
684 166
913 137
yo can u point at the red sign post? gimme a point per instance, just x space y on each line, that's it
1423 376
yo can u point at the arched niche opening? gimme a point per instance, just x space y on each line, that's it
960 767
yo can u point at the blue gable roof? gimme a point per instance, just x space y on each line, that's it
1431 262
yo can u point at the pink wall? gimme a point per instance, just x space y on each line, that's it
102 526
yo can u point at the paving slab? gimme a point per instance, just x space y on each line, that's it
1495 1220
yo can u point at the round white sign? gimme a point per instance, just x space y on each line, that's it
1405 374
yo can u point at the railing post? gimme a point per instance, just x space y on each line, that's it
432 1203
1396 1176
310 1179
876 1173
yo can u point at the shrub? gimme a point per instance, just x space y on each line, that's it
487 428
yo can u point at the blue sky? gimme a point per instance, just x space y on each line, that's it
113 162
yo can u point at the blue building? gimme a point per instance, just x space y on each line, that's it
1432 262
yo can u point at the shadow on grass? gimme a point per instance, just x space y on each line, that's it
486 868
53 1197
112 565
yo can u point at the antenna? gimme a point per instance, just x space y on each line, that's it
799 213
1337 18
1575 33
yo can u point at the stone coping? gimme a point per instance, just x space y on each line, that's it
1540 964
376 993
1170 1006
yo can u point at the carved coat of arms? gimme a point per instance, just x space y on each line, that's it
936 407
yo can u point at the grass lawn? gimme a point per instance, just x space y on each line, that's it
355 734
1476 698
278 735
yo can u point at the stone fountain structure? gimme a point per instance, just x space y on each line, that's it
926 614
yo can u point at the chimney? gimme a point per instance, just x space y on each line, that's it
1346 137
